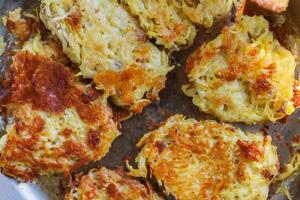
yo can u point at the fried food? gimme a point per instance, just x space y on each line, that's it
110 48
273 5
107 184
164 21
20 27
55 123
207 160
244 75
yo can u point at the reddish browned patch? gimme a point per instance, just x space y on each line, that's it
240 171
73 148
66 132
93 138
74 19
143 37
227 42
20 126
37 126
120 115
241 8
160 146
192 60
21 29
138 108
278 136
22 150
267 174
262 85
296 96
122 83
49 86
250 150
296 139
229 74
113 192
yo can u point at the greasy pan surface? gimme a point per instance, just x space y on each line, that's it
173 101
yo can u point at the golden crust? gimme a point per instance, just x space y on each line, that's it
208 160
106 184
94 37
164 21
205 12
244 75
273 5
20 27
56 123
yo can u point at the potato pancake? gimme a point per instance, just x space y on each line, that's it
207 160
110 48
244 75
105 184
55 123
164 21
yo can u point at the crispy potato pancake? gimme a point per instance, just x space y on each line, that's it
56 124
105 184
244 75
205 12
110 48
207 160
164 21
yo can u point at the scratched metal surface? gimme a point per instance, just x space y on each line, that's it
173 101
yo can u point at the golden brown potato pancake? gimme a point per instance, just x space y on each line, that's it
244 75
56 124
207 160
110 48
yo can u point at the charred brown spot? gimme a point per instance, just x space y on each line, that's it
49 86
249 150
278 136
261 85
73 149
20 126
113 192
89 97
240 171
143 37
125 83
94 138
296 139
21 29
37 126
267 174
66 132
121 114
296 96
160 146
74 19
229 74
